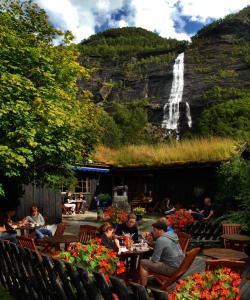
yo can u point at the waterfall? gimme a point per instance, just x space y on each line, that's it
171 108
188 115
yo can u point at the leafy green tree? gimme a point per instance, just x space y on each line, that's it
44 128
111 133
231 118
131 119
233 196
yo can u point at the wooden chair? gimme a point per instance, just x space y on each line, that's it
60 229
26 242
86 233
48 248
230 228
166 280
236 265
184 240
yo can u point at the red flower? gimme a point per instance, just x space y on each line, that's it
115 215
219 284
180 218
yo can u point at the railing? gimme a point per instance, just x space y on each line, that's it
28 275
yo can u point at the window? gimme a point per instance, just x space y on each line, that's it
83 185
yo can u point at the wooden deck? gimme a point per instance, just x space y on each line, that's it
199 266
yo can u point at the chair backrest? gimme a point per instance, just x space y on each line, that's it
214 264
231 228
184 240
60 229
86 233
26 242
187 261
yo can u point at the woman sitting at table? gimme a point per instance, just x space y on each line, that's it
6 232
106 232
37 220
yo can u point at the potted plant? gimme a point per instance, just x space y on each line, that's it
180 219
114 215
221 284
94 257
104 199
139 212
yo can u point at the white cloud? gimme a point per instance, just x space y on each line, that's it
161 16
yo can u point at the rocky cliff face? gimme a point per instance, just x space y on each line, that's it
217 68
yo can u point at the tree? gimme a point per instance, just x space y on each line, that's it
44 128
233 195
130 118
231 118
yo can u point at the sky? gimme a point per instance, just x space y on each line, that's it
178 19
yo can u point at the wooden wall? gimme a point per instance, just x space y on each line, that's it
48 202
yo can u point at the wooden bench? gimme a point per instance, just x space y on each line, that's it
141 202
27 275
205 234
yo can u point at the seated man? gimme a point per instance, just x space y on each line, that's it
129 227
206 213
167 255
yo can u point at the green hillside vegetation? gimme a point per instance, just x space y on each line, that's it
126 41
187 151
124 123
244 14
231 118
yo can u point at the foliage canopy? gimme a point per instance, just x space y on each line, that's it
44 128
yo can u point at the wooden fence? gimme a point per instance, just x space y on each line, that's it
29 275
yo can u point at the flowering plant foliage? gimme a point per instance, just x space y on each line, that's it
94 257
180 219
115 215
139 210
221 284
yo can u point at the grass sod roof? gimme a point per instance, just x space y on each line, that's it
176 153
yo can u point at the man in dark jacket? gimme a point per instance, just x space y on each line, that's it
167 255
129 227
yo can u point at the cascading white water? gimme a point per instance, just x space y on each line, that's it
171 108
188 115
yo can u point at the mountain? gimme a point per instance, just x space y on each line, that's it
133 63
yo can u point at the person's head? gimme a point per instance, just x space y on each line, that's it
34 210
107 228
159 228
81 195
131 220
207 201
162 220
10 213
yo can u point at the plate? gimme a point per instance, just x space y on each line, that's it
141 249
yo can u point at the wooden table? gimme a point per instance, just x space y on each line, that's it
222 253
239 239
132 259
55 241
28 230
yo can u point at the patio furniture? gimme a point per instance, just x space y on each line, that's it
27 242
184 240
230 228
204 233
222 253
27 276
234 265
236 241
86 233
48 247
166 280
55 241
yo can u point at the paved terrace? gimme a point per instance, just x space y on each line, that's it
73 223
